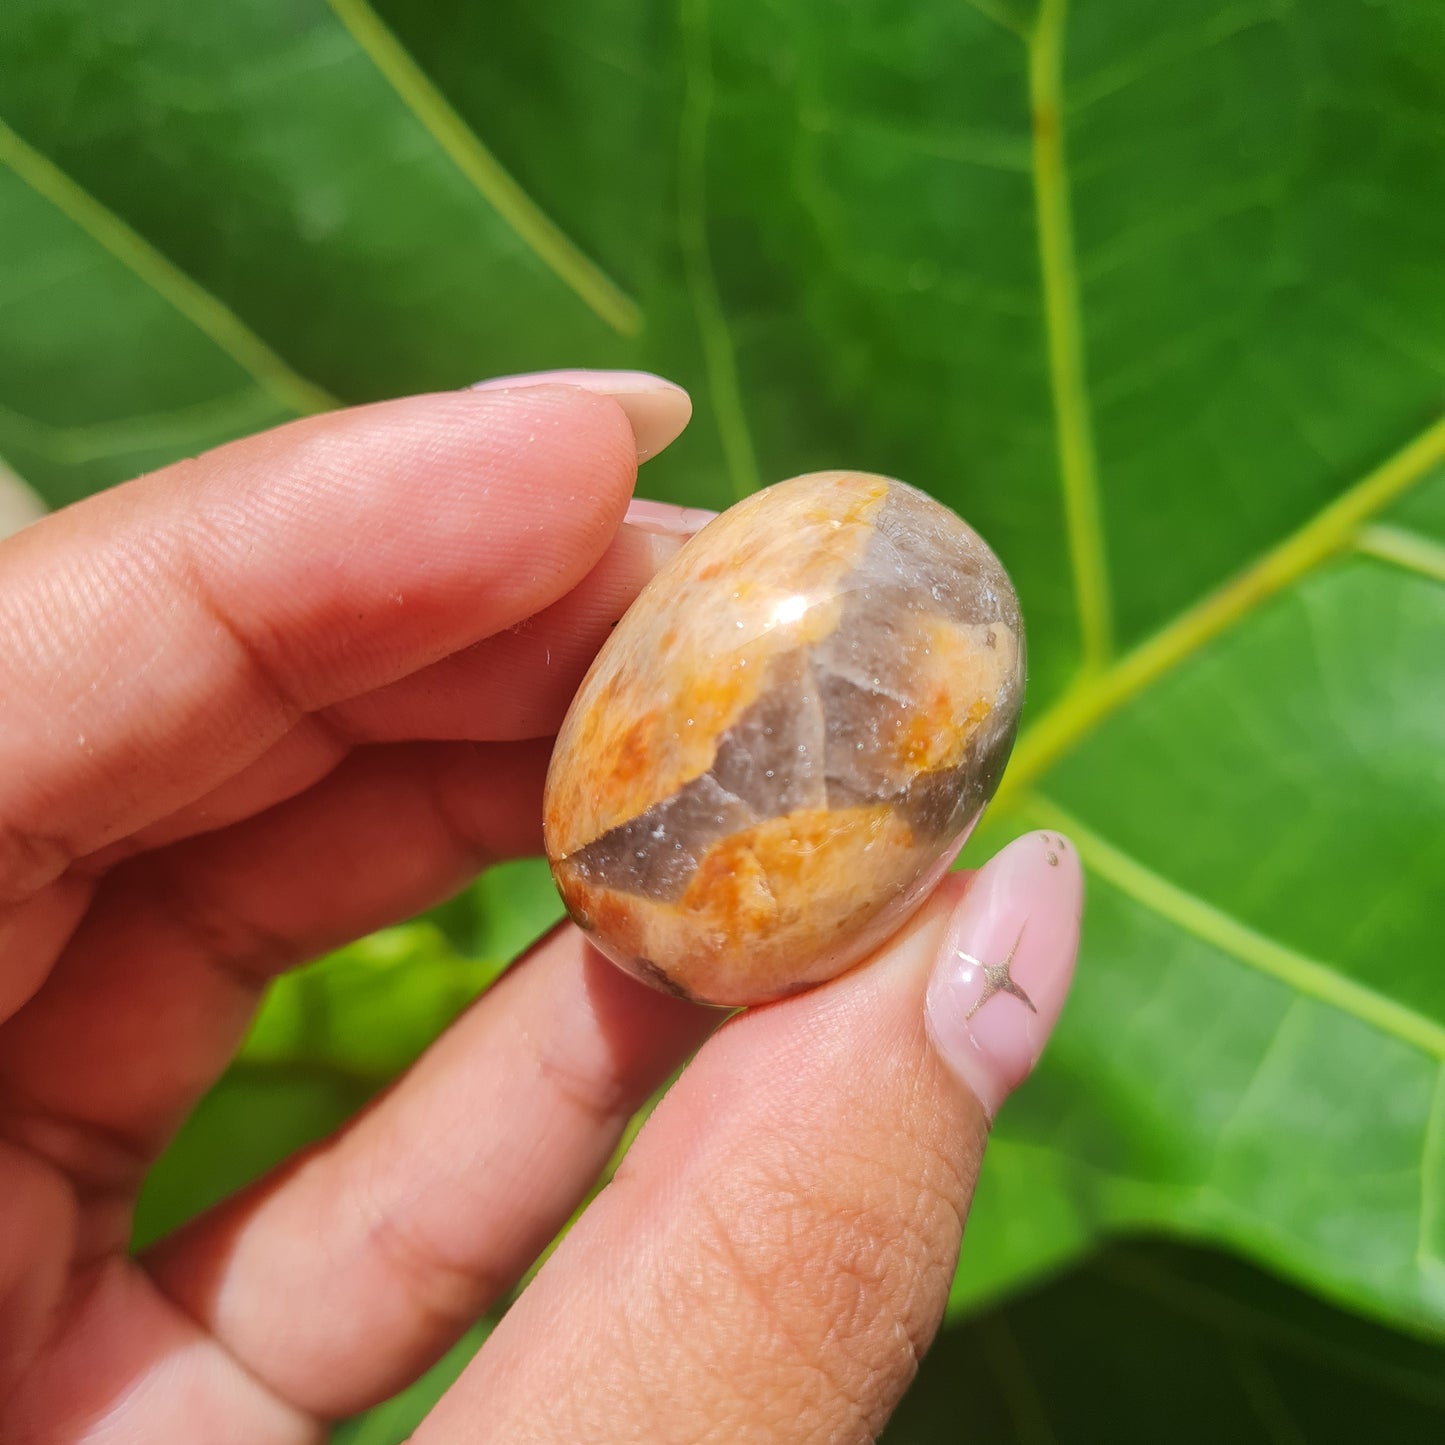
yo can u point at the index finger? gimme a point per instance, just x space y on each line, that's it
162 636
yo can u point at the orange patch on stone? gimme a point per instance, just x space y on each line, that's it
800 867
954 678
761 901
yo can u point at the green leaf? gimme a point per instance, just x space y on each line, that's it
1149 292
1146 1343
368 1010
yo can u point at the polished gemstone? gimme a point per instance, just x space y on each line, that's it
787 738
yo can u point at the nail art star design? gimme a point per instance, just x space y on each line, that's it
998 979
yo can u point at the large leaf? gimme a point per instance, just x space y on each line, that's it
1150 292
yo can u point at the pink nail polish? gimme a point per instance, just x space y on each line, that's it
1005 964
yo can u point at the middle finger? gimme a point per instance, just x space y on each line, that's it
152 995
400 1231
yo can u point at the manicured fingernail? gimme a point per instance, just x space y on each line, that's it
658 409
666 520
19 506
1003 971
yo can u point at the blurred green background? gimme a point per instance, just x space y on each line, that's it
1152 293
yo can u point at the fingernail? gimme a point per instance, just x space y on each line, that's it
658 409
19 505
666 520
1003 970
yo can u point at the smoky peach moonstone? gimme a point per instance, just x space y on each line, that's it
785 741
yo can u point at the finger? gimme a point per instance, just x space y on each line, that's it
297 761
513 686
33 933
342 1277
519 683
162 636
776 1252
35 1256
153 993
117 1361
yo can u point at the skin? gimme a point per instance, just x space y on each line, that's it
268 700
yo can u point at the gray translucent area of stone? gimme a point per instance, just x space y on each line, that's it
922 548
773 757
656 853
865 694
860 720
937 803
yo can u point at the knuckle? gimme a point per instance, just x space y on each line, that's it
597 1092
186 560
442 1293
840 1264
466 829
208 925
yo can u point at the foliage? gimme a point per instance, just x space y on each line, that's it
1149 292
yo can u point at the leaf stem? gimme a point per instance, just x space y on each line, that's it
1211 925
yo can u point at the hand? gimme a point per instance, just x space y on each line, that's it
262 702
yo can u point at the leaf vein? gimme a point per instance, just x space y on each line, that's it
1063 333
1329 531
719 356
1405 549
1000 15
1432 1153
204 310
1230 1317
1220 27
1307 976
1264 1397
464 148
179 429
1021 1397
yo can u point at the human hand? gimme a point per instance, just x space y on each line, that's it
265 701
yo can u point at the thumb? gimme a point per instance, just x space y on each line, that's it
776 1252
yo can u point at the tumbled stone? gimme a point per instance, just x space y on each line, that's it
785 741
